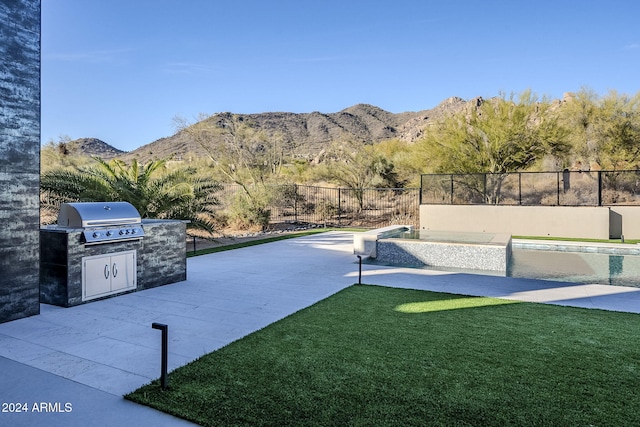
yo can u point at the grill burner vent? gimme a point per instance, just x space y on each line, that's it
102 222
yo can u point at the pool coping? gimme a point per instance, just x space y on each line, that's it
571 246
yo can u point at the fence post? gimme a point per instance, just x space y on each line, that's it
599 188
451 194
295 202
339 209
520 188
484 189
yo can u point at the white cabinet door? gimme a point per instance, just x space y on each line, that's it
108 274
122 271
96 276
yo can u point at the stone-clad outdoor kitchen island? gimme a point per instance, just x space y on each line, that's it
160 260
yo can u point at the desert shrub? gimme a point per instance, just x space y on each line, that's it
326 210
286 196
248 212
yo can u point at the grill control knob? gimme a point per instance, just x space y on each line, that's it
96 234
109 233
134 230
121 232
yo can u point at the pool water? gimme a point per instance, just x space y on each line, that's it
579 267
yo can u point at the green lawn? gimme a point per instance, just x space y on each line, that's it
372 355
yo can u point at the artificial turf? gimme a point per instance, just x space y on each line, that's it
372 355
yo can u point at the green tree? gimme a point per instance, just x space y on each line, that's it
618 130
357 166
155 191
605 130
579 113
241 155
497 136
406 168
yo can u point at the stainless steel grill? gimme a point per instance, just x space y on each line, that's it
102 222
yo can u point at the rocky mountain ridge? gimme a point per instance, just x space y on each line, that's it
305 135
93 147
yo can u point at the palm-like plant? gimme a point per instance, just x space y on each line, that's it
155 191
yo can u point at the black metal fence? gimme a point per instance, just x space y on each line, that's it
371 207
566 188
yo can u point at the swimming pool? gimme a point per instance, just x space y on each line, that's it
590 263
578 267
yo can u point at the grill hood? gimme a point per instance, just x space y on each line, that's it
102 222
97 214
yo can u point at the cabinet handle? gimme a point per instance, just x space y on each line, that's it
106 271
114 270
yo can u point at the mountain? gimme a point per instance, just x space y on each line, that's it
92 147
305 135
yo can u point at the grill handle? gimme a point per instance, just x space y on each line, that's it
112 222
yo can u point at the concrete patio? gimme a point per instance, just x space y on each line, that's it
92 354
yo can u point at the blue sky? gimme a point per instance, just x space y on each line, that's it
121 70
